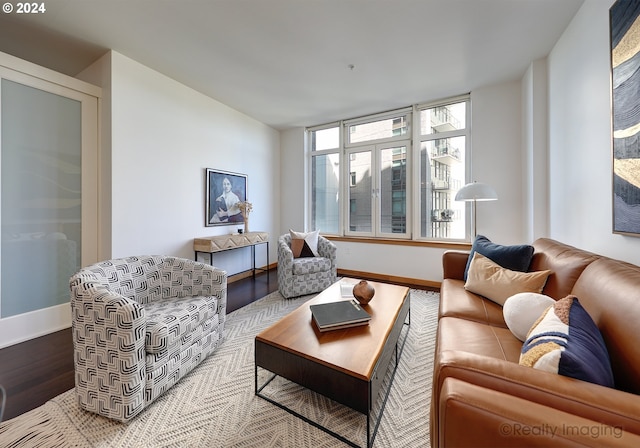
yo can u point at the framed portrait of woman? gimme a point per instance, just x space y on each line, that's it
224 191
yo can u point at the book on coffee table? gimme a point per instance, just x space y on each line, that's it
338 315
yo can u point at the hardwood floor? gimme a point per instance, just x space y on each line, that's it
35 371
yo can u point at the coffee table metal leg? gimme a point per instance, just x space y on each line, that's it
265 384
371 436
369 440
393 375
302 417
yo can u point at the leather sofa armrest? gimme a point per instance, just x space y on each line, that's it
472 416
454 262
586 400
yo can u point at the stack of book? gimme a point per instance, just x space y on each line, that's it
338 315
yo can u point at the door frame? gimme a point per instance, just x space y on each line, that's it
22 327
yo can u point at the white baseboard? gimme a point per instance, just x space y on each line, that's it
20 328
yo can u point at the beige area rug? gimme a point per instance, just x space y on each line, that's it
215 405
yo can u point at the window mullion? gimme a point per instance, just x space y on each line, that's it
359 188
393 190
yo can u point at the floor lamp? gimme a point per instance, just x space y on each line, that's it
476 191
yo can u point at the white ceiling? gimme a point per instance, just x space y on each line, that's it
286 62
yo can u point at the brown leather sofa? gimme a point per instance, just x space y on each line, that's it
481 396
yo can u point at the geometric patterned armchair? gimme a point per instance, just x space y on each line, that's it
307 275
139 325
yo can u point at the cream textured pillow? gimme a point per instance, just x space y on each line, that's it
496 283
304 244
522 310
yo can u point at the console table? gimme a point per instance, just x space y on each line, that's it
221 243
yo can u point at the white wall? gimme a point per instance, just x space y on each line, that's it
293 181
545 145
496 151
535 144
99 74
163 136
580 137
496 141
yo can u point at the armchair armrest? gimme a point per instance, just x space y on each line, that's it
285 256
327 249
454 262
109 348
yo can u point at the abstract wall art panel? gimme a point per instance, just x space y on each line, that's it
625 81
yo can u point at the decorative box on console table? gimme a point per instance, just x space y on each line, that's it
221 243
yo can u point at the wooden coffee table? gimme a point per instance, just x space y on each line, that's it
347 365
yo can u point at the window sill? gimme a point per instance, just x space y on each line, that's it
402 242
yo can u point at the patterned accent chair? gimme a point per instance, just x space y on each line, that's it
300 276
139 325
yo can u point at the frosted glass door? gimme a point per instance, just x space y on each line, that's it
41 185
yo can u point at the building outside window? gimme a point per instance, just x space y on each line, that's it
443 154
375 155
324 206
378 150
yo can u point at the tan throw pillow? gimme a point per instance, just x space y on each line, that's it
496 283
304 244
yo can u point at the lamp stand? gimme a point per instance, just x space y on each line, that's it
475 220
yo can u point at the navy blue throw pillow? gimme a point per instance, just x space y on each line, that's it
515 258
565 340
587 357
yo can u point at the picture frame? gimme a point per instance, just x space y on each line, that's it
625 116
224 189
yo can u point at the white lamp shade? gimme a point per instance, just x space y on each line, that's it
476 191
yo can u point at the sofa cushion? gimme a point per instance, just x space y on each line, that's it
515 258
302 266
168 321
157 360
496 283
565 340
455 301
304 244
522 310
477 338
